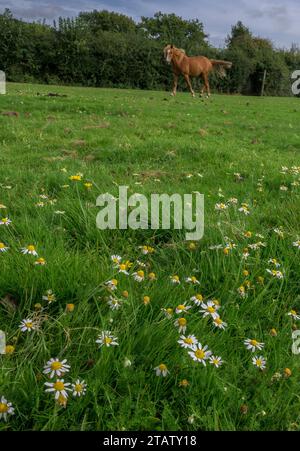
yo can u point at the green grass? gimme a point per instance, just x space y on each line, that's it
154 144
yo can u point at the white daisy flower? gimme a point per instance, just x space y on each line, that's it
187 342
293 314
181 324
139 276
79 388
200 354
210 308
274 262
6 408
27 325
245 209
175 280
296 244
221 207
252 344
218 322
275 273
259 362
3 248
59 388
107 339
192 280
115 259
182 308
197 299
5 221
49 297
112 284
146 249
161 370
114 303
216 361
55 367
29 250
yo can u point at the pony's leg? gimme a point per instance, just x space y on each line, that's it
203 87
175 82
188 82
205 77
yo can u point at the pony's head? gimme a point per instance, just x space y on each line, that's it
170 51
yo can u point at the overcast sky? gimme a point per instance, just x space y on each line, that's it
274 19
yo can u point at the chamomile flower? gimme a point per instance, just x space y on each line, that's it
27 325
79 388
275 273
114 303
112 284
3 248
218 322
76 178
122 267
181 323
259 362
6 408
152 276
200 354
244 209
40 262
161 370
197 299
175 279
107 339
210 308
116 259
49 297
182 308
242 291
168 312
216 361
187 342
279 232
56 367
274 262
146 249
139 275
5 221
221 207
252 344
192 280
30 250
296 244
294 314
59 388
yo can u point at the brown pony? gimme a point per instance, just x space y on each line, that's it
193 66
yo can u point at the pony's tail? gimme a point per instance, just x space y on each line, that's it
220 67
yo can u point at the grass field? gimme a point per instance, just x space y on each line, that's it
232 149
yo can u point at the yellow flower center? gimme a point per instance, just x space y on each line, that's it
181 307
193 279
30 248
4 220
140 273
3 407
107 340
253 342
162 367
175 278
122 267
188 341
2 245
59 386
56 366
293 312
78 388
114 282
218 321
258 362
182 321
170 311
200 354
211 309
199 297
28 324
9 349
